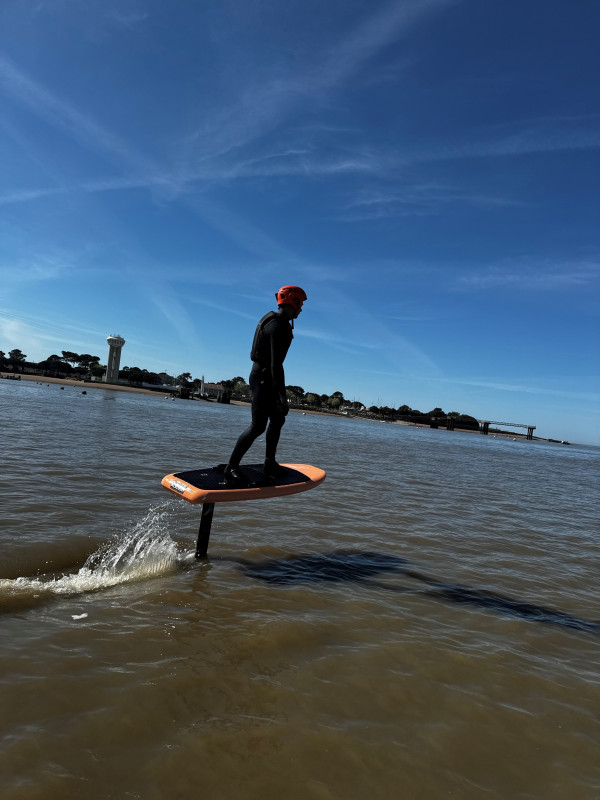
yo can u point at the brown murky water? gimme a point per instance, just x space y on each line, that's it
428 632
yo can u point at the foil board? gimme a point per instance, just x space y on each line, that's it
207 485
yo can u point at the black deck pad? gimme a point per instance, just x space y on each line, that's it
213 478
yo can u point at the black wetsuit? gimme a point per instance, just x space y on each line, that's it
272 340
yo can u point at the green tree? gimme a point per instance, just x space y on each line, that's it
2 359
241 387
150 377
334 402
86 361
184 379
131 374
313 399
98 370
70 358
297 392
405 410
468 422
17 359
137 375
437 412
231 383
54 364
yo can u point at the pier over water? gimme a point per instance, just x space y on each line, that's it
484 426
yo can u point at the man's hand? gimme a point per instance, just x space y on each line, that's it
282 405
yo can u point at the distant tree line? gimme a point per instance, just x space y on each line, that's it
68 364
336 403
84 365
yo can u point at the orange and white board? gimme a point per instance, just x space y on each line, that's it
208 485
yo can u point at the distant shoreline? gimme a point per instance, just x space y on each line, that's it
84 385
119 387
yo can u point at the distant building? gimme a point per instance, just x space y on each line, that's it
115 343
211 389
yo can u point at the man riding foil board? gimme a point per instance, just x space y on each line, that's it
272 339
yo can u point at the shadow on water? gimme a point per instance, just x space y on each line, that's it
144 553
360 567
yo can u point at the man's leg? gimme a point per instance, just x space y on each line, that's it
260 416
276 423
247 439
272 469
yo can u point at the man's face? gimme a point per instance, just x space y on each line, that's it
290 311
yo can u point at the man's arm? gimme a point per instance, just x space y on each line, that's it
277 373
279 349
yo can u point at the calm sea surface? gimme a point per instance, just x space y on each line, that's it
422 625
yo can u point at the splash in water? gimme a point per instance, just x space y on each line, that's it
144 552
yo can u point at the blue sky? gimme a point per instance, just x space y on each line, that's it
428 171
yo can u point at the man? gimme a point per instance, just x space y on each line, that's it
272 339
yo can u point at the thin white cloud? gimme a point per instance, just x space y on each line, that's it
378 342
25 91
383 28
131 20
14 333
27 195
61 115
416 200
337 343
544 136
383 162
234 310
174 312
523 142
85 131
516 138
520 388
497 385
100 185
40 336
261 106
408 318
541 276
37 267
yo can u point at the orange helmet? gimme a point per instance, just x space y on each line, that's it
292 296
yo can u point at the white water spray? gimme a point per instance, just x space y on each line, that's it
144 552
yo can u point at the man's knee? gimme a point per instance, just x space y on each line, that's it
258 427
277 420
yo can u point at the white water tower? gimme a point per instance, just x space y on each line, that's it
115 343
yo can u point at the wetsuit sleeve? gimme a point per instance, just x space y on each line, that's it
278 342
277 372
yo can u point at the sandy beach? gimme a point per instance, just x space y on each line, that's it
84 385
